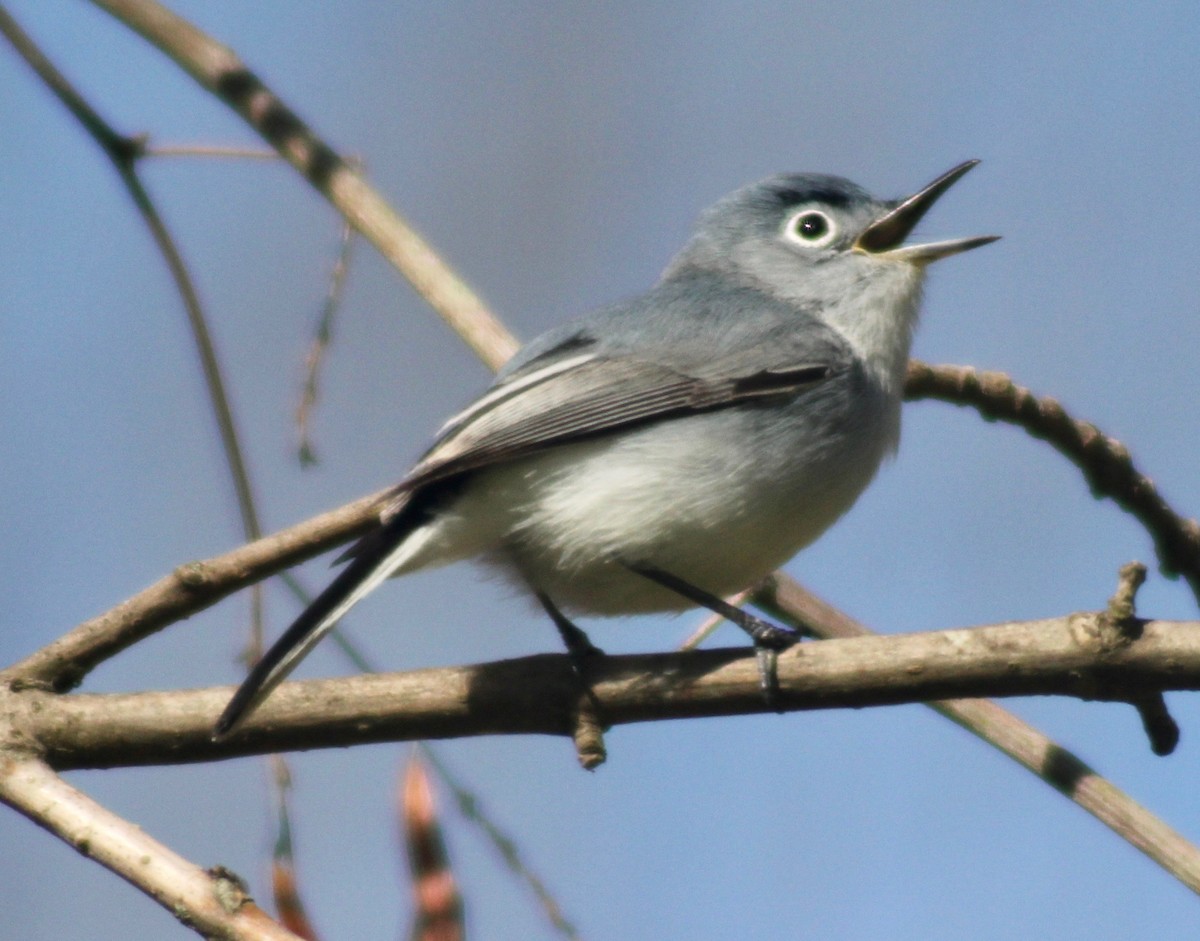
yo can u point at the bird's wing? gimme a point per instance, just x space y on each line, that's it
576 397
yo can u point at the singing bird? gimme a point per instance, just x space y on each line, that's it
674 448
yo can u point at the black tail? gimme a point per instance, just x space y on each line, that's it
372 559
287 652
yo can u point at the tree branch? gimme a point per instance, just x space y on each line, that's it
123 152
1134 672
192 587
218 70
1106 463
1061 656
213 903
1030 748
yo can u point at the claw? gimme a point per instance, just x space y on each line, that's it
768 676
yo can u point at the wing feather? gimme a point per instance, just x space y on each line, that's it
593 396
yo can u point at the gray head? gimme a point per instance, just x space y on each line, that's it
826 244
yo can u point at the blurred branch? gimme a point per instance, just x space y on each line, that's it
123 152
437 903
285 886
707 627
320 343
213 903
1027 746
207 150
1061 656
218 70
469 806
1105 462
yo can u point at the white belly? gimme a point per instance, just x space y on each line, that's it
678 495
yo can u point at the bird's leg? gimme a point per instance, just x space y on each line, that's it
768 638
588 728
580 649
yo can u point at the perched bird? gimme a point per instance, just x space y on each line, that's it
666 451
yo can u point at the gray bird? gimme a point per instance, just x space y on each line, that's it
675 448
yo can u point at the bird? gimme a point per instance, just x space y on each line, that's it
667 451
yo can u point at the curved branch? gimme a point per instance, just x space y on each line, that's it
123 152
1106 463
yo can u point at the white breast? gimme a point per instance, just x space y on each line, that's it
719 500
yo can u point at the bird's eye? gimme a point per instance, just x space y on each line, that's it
811 228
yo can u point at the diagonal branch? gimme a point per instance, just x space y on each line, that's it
1106 463
192 587
123 152
1030 748
212 902
219 71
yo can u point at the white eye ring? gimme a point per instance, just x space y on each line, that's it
810 228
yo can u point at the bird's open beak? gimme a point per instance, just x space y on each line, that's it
882 237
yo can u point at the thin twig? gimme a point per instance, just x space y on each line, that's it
705 628
192 587
285 886
1120 626
218 70
470 807
320 343
1015 738
123 152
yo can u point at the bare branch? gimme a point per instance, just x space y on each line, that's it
285 886
213 903
470 806
437 901
1105 462
1060 656
320 343
192 587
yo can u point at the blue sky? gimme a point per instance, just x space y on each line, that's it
558 155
